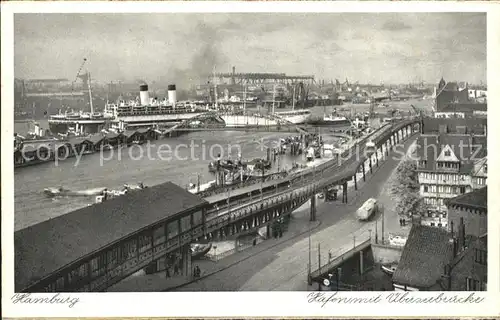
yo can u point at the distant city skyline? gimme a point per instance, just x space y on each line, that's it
388 48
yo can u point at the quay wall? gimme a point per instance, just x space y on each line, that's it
383 253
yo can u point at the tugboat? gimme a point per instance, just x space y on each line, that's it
227 164
258 164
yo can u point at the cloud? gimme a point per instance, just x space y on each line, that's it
392 47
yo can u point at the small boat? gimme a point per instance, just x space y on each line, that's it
203 187
63 192
199 250
258 164
110 194
223 164
390 268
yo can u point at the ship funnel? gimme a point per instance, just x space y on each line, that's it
172 95
144 94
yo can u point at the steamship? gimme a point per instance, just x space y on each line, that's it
142 112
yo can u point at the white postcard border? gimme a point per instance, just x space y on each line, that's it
245 303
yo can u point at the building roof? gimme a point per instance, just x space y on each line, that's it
424 256
454 125
143 130
77 140
445 97
96 138
467 149
129 133
113 135
464 107
44 248
33 145
476 199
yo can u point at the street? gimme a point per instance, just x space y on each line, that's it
284 267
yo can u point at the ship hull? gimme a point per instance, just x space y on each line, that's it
235 121
297 119
58 127
86 126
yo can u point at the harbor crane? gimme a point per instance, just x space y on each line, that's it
80 76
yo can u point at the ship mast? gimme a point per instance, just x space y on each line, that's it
244 98
90 94
215 92
274 95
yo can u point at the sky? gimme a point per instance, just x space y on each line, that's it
183 47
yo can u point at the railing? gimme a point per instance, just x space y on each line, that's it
330 167
339 259
302 189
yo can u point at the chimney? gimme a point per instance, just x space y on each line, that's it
470 144
455 247
144 94
447 277
172 95
461 234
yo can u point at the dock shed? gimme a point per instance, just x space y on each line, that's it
94 247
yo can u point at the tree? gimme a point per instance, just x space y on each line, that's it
406 189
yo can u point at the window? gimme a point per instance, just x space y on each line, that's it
481 256
172 229
159 235
144 242
462 190
473 285
432 224
440 225
426 189
197 218
185 223
60 284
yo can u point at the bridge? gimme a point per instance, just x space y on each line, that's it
95 247
215 121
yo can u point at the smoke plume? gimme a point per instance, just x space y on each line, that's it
206 55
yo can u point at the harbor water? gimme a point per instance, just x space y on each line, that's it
112 169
